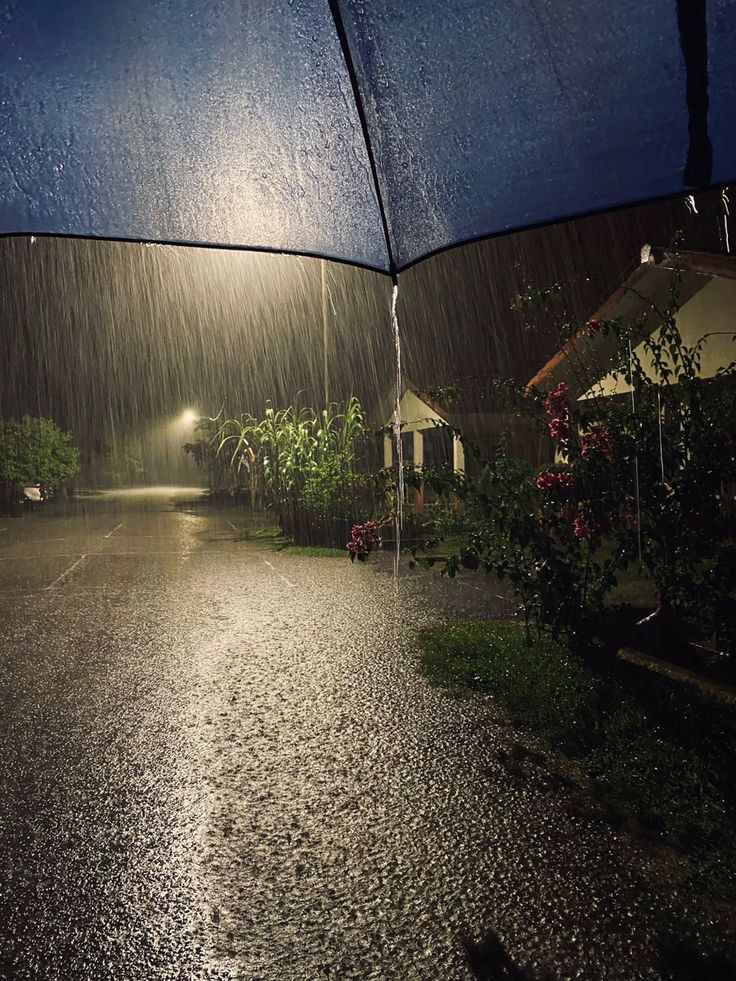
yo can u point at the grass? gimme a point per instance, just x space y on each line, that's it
666 752
272 539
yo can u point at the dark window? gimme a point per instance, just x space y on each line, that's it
407 446
437 447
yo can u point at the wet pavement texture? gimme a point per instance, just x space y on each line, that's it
218 761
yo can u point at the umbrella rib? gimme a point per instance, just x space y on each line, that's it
692 21
358 99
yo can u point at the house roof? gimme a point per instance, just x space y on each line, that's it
583 359
388 402
464 409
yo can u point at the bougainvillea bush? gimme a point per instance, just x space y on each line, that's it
642 477
678 431
364 539
545 532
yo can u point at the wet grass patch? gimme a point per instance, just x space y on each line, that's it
271 538
665 751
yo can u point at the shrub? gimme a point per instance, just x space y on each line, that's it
333 489
220 475
639 476
524 530
35 450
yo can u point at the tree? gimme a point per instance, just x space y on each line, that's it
35 450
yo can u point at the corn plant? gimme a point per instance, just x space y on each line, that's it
305 459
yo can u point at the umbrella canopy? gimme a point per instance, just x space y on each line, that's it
368 131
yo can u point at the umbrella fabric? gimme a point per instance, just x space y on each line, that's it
370 131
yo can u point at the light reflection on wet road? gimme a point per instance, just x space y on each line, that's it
219 762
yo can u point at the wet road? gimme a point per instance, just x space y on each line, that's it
219 762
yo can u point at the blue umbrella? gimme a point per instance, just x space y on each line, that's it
375 132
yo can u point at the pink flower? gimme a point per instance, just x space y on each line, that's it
587 527
363 540
584 527
552 480
557 402
594 327
557 405
559 429
597 438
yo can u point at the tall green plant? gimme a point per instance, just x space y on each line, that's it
307 459
335 479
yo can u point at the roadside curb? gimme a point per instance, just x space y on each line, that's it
715 688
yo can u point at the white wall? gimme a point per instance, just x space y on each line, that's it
712 309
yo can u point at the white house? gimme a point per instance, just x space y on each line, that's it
419 417
707 306
429 440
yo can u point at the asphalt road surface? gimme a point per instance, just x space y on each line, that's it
218 761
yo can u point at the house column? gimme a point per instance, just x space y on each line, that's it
418 447
458 455
418 440
388 452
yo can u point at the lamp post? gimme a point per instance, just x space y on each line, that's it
325 331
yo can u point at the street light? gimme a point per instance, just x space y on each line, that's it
189 416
